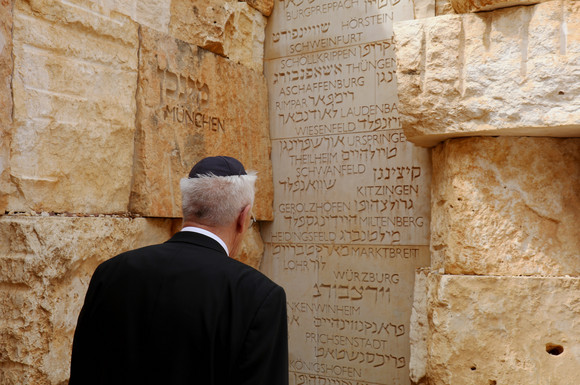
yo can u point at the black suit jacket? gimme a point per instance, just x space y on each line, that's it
182 312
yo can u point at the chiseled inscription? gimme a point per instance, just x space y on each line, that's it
351 209
181 98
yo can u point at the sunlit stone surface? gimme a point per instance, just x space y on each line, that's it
508 72
191 104
229 28
506 206
504 330
45 267
465 6
5 102
74 89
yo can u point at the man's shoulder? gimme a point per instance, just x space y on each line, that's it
250 278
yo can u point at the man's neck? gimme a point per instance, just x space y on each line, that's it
225 234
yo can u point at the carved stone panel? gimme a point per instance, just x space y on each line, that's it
351 206
191 104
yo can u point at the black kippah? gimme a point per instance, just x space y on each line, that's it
218 166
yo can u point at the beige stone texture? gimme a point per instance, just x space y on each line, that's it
6 187
264 6
252 248
424 8
504 330
74 90
466 6
506 206
191 104
152 13
443 7
45 267
419 332
508 72
229 28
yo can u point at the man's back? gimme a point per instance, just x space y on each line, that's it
180 313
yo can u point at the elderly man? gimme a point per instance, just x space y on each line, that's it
184 312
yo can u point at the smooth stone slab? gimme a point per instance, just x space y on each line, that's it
506 206
45 267
303 27
512 72
351 211
74 90
503 330
465 6
6 65
191 104
229 28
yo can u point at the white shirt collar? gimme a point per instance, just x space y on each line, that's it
207 234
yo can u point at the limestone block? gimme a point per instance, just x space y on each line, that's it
443 7
506 206
424 8
74 90
45 267
264 6
191 104
152 13
229 28
419 328
508 72
252 248
5 101
465 6
504 330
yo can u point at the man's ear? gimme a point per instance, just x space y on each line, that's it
242 222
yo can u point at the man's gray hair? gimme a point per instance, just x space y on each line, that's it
216 200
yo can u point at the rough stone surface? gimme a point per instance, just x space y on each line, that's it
424 8
45 267
252 248
152 13
508 72
443 7
6 186
191 104
465 6
229 28
419 332
74 90
504 330
264 6
506 206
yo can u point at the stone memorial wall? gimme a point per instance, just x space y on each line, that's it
351 194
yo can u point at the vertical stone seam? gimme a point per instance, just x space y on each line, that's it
137 132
